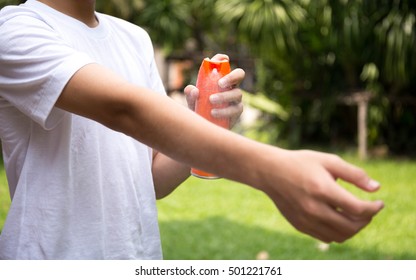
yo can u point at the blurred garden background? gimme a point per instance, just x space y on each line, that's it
332 75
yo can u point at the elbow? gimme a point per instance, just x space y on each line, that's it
160 196
119 117
162 191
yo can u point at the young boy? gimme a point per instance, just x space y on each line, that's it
90 140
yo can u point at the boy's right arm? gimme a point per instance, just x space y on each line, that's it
302 184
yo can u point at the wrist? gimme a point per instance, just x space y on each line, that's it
264 173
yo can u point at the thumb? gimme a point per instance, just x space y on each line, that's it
191 94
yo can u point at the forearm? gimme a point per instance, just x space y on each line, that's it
168 174
160 123
208 147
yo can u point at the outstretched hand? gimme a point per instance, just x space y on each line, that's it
232 97
310 198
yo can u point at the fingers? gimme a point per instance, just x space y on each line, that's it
227 97
220 57
227 105
350 173
352 206
228 102
316 204
336 227
233 79
343 224
350 213
341 199
232 111
321 220
227 83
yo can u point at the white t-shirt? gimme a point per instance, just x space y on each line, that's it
79 190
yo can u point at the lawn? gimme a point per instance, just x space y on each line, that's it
4 195
220 219
225 220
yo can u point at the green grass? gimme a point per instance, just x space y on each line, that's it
225 220
4 196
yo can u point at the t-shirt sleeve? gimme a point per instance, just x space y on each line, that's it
157 84
35 66
145 41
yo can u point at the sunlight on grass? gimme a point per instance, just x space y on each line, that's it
393 229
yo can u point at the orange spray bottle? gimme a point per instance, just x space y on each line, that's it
207 83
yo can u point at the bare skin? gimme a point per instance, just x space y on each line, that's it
302 184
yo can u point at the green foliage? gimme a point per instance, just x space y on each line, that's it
396 35
308 55
267 26
331 49
166 20
172 24
10 2
261 102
